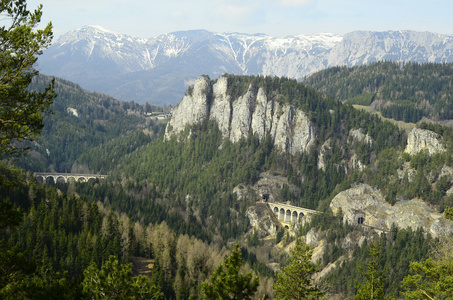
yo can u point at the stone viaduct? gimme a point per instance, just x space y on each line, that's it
289 214
66 177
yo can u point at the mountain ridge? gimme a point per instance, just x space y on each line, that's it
159 69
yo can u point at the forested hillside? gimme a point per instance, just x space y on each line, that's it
401 91
80 121
184 213
176 201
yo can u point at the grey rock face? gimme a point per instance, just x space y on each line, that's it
221 106
420 139
262 219
262 113
159 69
192 109
325 149
363 201
358 135
289 128
242 117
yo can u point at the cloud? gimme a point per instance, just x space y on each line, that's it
293 3
235 11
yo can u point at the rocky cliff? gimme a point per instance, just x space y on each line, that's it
252 112
367 203
420 139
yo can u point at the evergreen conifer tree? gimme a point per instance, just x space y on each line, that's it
20 43
296 279
228 283
373 288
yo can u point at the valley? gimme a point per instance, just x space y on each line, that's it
313 166
200 179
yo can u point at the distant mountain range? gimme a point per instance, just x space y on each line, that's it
158 70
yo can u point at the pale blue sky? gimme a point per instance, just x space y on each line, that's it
149 18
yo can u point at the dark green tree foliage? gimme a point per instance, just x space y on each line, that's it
397 249
227 282
22 278
251 259
384 173
199 170
115 281
295 280
403 112
59 237
448 213
280 235
22 275
414 89
87 131
373 288
20 44
144 203
66 233
433 277
430 279
331 117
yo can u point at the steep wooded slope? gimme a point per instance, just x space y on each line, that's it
405 92
82 120
190 179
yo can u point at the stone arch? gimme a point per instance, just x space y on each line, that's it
40 179
60 179
287 227
71 179
50 179
281 215
288 216
82 179
276 209
294 216
91 179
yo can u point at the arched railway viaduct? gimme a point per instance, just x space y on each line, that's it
290 214
66 177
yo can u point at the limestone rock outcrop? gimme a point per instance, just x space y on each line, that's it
325 149
358 135
262 219
365 202
251 112
193 108
421 139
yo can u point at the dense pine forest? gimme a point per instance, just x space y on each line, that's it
406 92
80 121
186 217
179 188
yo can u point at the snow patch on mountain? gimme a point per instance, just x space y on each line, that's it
156 69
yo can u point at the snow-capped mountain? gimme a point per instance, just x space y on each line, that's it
159 69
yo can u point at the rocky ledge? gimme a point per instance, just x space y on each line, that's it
365 202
